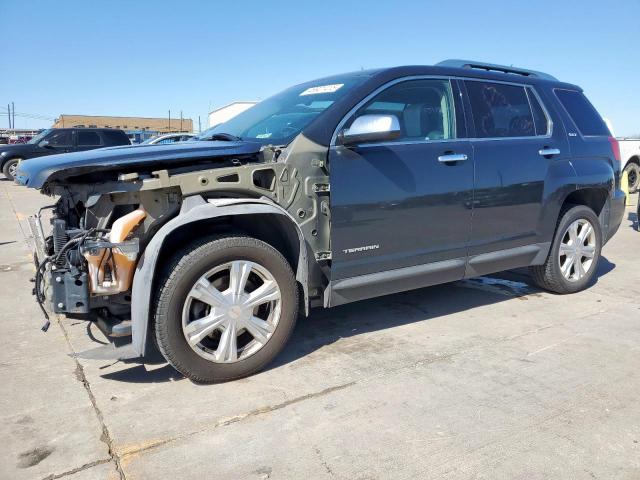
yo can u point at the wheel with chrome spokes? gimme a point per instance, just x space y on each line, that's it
231 311
226 308
10 168
574 254
577 250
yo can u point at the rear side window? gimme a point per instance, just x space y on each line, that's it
88 139
115 137
583 114
500 110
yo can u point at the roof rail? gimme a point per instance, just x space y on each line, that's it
490 67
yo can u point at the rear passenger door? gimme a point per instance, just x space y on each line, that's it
402 203
88 140
515 143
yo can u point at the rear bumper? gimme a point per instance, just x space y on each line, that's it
616 213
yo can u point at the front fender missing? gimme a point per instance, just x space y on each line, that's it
195 209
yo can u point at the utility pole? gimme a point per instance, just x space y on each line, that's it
9 115
169 120
13 119
180 120
199 126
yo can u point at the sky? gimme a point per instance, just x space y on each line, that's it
145 58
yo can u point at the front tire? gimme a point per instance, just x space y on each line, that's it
226 308
574 255
9 168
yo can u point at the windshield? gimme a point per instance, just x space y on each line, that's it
38 138
278 119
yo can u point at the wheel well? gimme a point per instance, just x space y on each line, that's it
635 159
594 198
6 159
274 229
2 160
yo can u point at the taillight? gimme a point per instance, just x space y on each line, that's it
615 146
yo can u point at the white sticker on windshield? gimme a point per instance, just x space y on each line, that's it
322 89
263 135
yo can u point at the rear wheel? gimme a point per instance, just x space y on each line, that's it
574 254
226 308
633 175
10 167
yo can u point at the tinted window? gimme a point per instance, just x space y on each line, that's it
500 110
115 137
88 139
61 138
583 114
424 109
539 118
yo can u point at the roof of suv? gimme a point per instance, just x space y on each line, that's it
474 69
91 129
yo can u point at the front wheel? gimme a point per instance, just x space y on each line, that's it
226 308
574 254
10 168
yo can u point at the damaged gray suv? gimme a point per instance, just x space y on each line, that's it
336 190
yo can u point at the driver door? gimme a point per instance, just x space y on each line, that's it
60 141
401 208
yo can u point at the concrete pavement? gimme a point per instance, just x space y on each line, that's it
485 378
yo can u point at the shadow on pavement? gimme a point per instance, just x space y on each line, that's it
324 327
633 218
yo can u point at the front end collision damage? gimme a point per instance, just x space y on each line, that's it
284 189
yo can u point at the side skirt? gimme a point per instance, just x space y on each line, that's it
408 278
393 281
492 262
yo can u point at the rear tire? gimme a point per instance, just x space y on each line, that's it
9 168
633 174
578 238
213 281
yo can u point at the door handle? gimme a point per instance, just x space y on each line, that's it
452 157
548 152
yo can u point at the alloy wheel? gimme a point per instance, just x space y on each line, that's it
577 250
13 168
231 311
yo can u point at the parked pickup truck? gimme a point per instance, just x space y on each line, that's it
630 155
336 190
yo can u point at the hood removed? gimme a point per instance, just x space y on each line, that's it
42 171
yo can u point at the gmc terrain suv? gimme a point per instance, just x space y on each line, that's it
59 140
336 190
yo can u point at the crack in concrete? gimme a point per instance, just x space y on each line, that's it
237 418
78 469
324 462
270 408
81 377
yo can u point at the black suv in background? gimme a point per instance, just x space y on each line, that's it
59 140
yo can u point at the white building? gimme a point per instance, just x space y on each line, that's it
222 114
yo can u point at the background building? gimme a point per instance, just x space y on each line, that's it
138 128
222 114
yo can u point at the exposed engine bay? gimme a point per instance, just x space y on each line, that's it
89 243
88 260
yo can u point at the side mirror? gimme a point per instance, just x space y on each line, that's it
44 144
371 128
